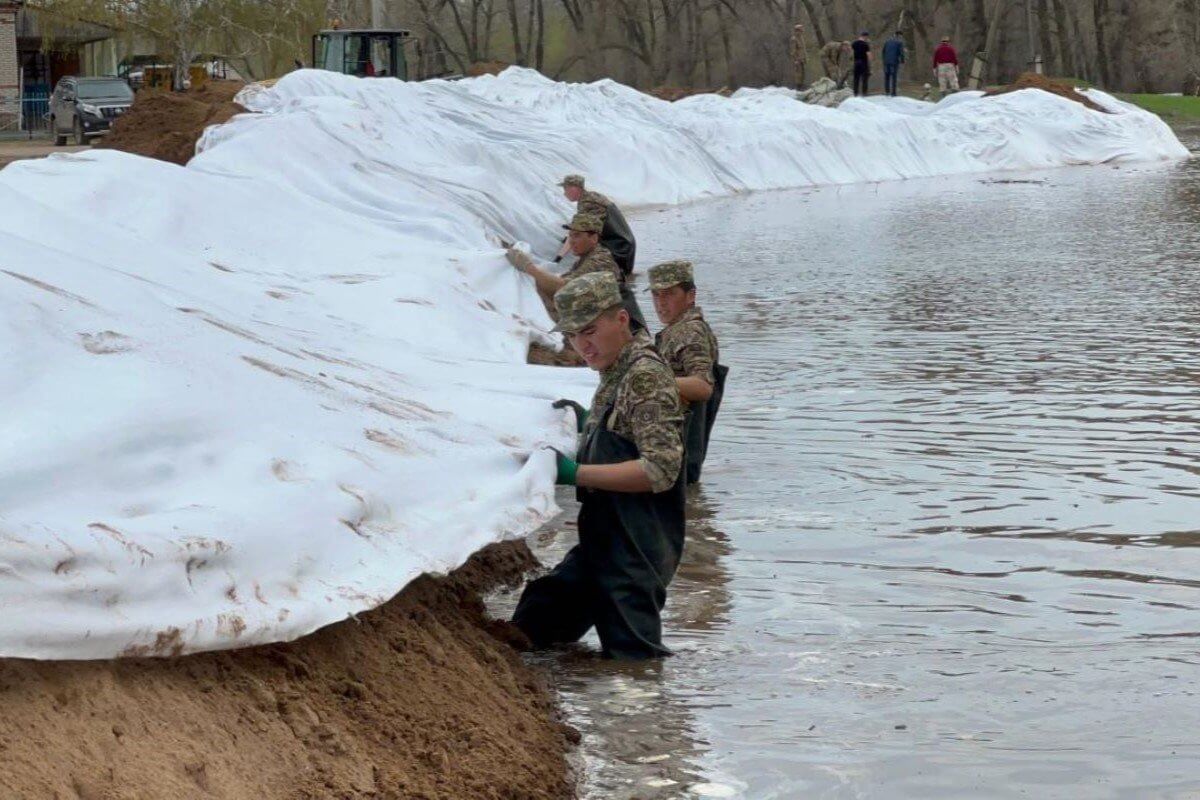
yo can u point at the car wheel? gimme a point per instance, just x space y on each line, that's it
80 139
60 139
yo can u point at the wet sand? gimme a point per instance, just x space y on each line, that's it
947 540
420 698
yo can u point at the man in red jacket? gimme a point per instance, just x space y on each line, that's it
945 66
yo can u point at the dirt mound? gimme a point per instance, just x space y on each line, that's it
166 125
419 698
487 68
1031 80
673 93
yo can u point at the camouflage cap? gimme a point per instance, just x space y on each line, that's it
584 299
670 273
572 180
585 222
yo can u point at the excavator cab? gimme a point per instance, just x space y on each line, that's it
365 53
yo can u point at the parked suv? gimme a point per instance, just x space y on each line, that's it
87 107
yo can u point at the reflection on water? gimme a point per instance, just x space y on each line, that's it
947 542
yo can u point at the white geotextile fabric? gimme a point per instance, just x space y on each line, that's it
253 396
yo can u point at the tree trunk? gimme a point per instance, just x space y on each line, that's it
539 52
668 49
1103 63
489 20
185 49
815 23
989 43
1066 57
726 47
1083 64
515 23
1050 58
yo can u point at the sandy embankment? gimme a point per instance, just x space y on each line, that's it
421 698
424 697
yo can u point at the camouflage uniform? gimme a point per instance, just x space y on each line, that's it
688 344
836 59
630 543
597 260
600 259
594 203
615 233
572 180
639 386
646 410
590 202
690 348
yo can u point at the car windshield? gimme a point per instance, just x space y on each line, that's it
95 90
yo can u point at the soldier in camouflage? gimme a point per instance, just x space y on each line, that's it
628 475
690 348
837 59
583 239
615 233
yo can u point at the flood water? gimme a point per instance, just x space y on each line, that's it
948 538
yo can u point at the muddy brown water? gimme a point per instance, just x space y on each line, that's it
947 539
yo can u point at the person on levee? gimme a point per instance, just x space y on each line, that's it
893 58
862 64
835 60
616 234
583 240
689 346
945 67
628 474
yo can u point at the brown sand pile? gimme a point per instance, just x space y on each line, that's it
673 93
1031 80
487 68
419 698
166 125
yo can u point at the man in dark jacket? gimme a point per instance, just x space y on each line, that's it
616 235
862 64
893 57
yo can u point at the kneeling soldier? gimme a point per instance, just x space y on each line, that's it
690 349
629 479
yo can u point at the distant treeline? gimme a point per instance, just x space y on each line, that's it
1123 45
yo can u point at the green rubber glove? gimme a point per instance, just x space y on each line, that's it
567 470
581 413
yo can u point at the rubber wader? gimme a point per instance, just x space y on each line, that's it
629 303
616 577
699 425
618 238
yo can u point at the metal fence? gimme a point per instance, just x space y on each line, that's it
35 106
26 114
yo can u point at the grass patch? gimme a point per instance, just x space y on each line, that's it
1169 108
